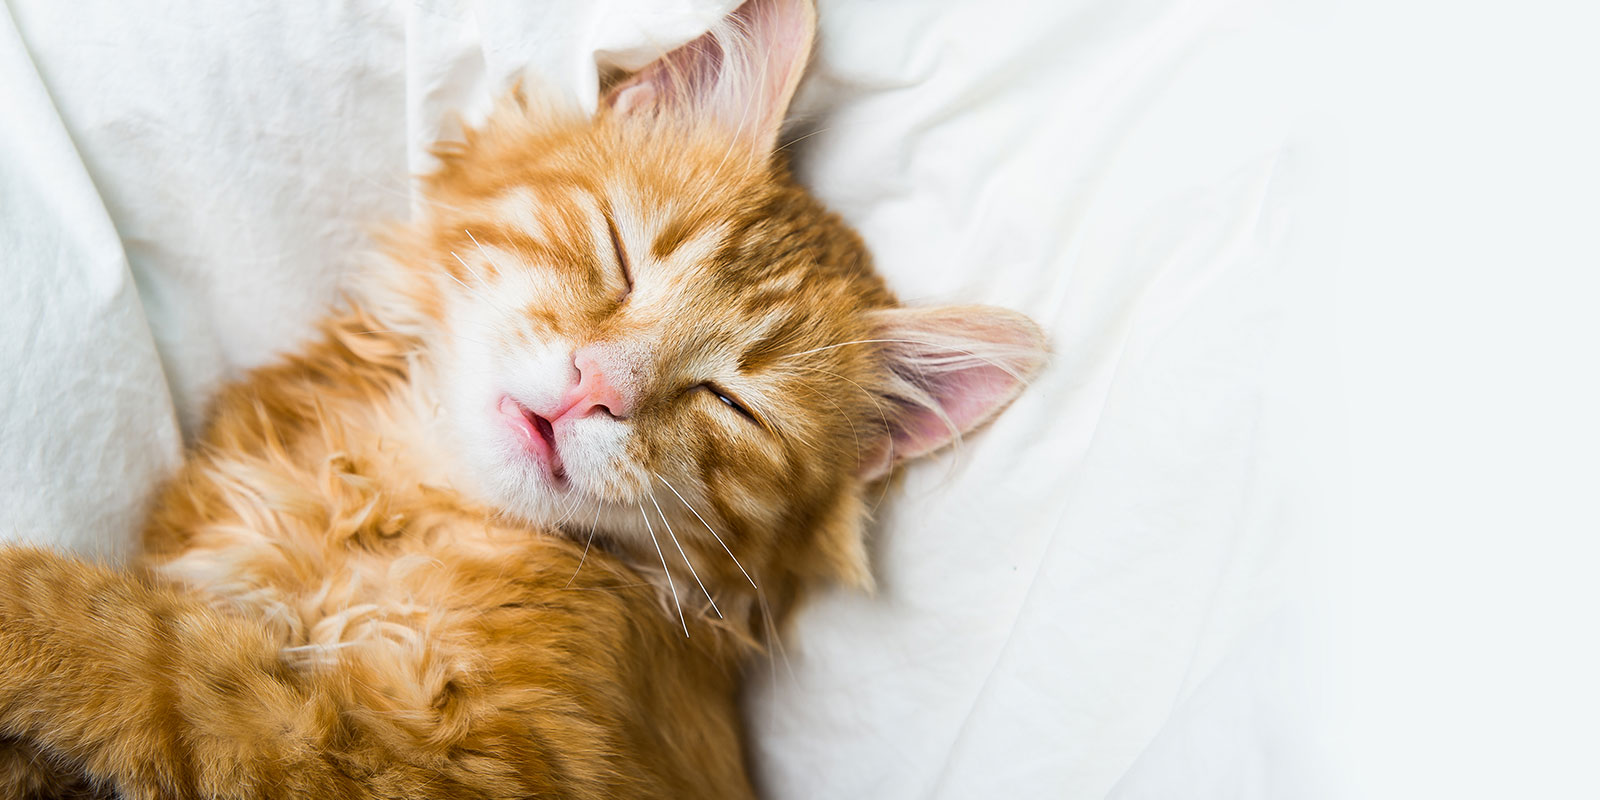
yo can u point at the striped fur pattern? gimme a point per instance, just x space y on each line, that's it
513 525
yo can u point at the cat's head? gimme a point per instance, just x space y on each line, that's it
641 325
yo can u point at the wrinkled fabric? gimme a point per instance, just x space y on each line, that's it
1093 597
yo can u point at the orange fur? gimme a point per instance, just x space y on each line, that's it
356 588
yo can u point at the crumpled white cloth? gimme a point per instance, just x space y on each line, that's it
1092 598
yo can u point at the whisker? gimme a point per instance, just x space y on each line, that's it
709 528
572 504
772 634
481 249
798 139
853 432
991 362
670 586
471 269
480 295
586 544
686 560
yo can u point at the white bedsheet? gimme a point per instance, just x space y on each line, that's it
1092 598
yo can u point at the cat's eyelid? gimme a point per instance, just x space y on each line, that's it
727 399
622 256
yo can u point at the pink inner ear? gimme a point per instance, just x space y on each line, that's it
956 367
742 73
968 397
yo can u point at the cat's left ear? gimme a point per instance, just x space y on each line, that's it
949 370
741 74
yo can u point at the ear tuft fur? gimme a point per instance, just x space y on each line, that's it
950 369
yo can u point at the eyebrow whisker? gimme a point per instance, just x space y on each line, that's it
480 295
486 256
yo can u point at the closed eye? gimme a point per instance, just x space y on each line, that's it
730 402
622 258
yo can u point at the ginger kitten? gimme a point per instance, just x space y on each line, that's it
513 525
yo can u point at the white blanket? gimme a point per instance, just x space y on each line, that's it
1088 599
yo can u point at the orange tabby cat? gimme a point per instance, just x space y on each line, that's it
513 525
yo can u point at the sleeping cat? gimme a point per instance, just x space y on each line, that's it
514 523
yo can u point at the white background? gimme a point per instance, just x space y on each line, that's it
1469 346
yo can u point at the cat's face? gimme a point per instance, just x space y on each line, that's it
634 323
639 325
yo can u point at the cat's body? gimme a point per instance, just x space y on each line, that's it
512 527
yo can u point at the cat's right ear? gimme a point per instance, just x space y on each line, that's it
741 74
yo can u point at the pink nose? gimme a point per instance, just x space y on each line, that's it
591 393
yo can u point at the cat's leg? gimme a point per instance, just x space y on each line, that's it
150 692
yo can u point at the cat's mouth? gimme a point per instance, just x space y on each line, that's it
537 436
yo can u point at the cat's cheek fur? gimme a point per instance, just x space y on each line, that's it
499 467
477 369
